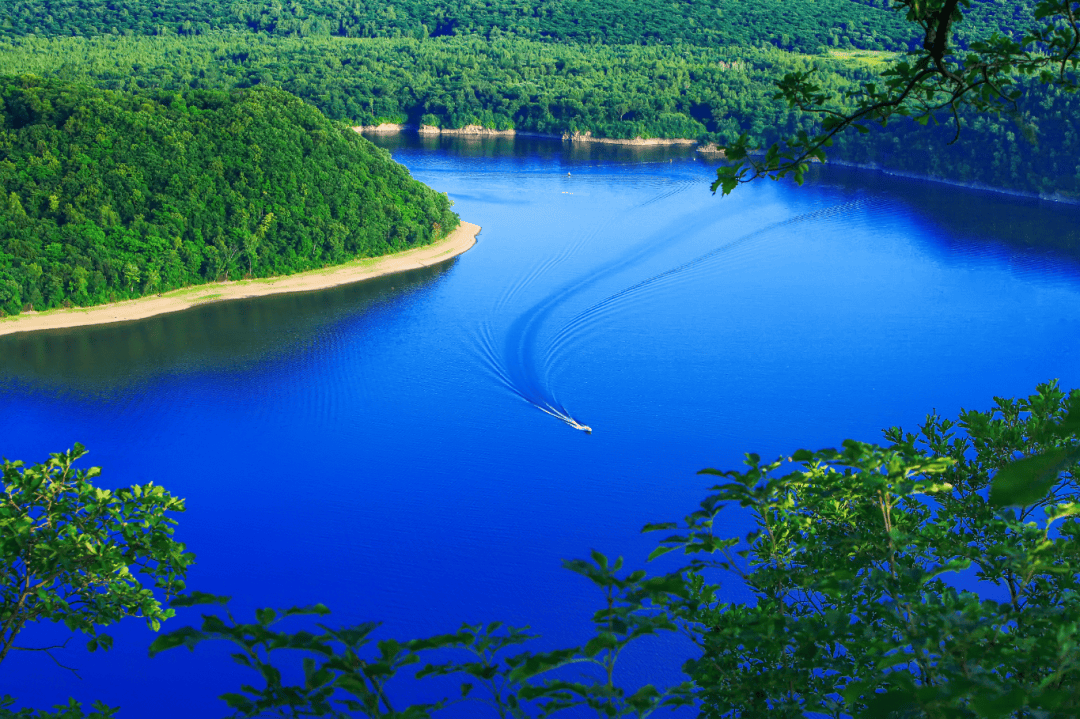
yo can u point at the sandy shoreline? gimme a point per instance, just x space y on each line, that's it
459 240
475 131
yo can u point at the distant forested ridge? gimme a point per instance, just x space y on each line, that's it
801 25
619 91
613 68
107 195
711 94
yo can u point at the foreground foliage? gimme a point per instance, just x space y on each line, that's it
108 196
71 710
895 580
937 575
941 75
73 553
342 676
886 581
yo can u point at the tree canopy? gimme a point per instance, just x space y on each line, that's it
912 578
713 95
76 554
800 25
111 195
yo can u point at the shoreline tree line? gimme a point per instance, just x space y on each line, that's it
711 94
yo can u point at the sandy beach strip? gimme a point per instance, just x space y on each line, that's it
459 240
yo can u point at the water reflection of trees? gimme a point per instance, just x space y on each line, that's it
214 336
1016 223
501 146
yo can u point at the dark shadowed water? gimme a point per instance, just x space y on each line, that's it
379 447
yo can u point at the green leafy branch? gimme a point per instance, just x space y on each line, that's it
1030 480
74 553
934 78
71 710
344 676
853 562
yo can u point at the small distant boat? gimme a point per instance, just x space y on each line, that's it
565 418
578 425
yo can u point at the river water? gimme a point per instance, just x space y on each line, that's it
379 448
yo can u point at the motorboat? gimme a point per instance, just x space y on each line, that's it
565 418
578 425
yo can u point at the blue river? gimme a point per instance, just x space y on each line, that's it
379 447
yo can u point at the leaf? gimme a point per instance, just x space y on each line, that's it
894 703
239 702
1028 480
438 642
319 610
183 637
355 685
265 616
1000 706
533 664
600 559
599 643
194 599
659 552
1068 509
1071 423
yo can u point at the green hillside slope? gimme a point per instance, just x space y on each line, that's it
712 94
702 70
619 91
801 25
105 196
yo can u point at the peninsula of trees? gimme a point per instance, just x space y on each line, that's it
109 195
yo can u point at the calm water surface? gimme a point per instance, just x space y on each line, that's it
378 448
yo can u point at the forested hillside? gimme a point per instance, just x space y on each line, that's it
623 91
1034 150
618 69
618 91
801 25
109 195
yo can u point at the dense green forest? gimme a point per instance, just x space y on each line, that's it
110 195
708 93
1036 150
801 25
615 91
202 168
